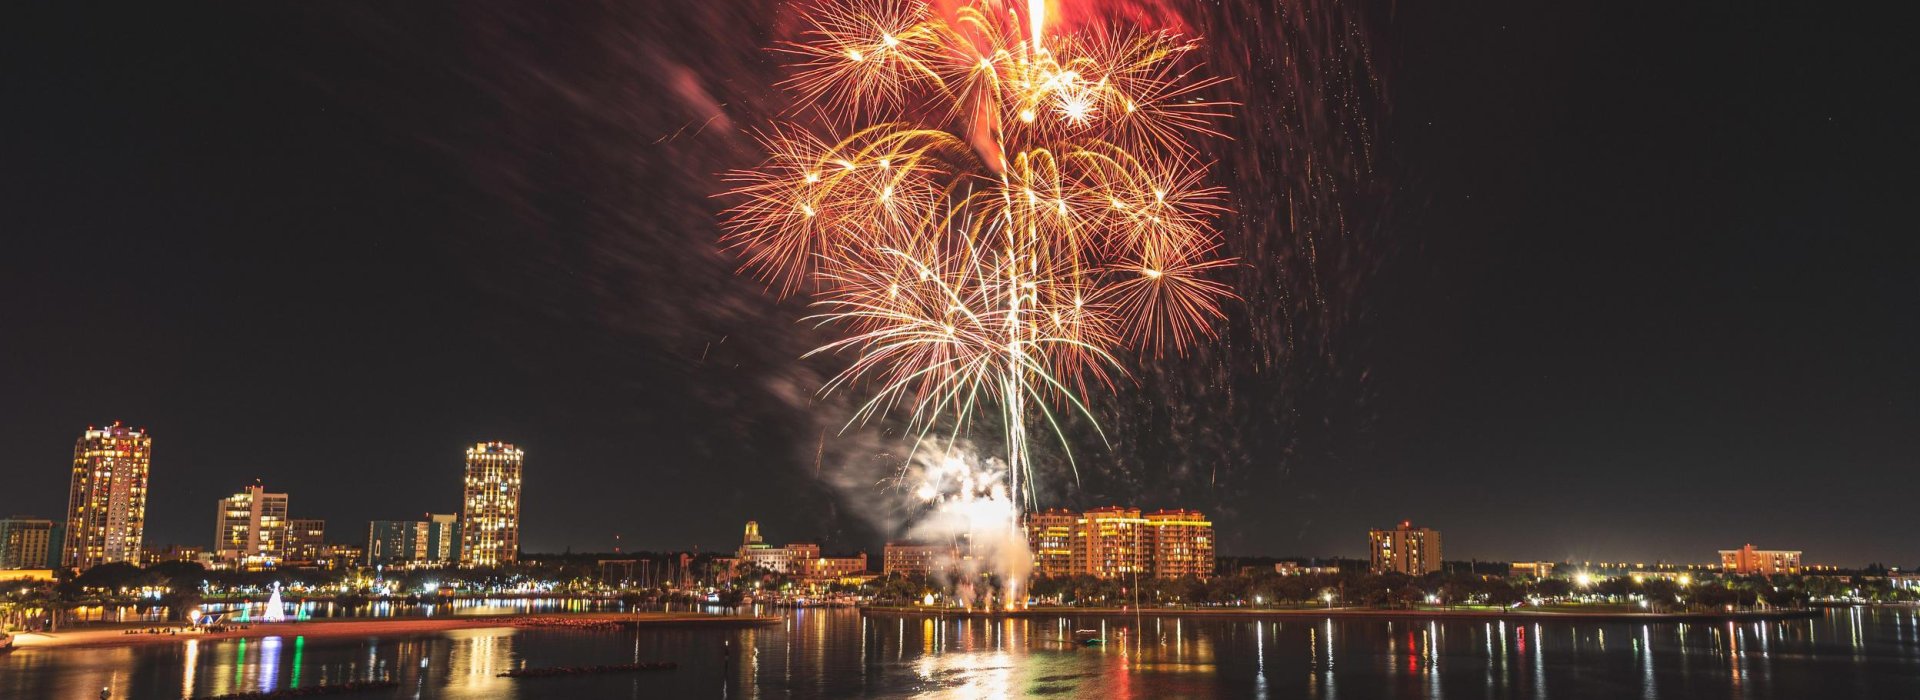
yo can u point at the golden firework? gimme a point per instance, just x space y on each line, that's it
1006 211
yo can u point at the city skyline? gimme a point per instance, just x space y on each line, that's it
255 528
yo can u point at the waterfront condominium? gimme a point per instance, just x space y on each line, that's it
107 501
250 529
1111 542
490 519
1050 538
1405 550
1181 543
1117 542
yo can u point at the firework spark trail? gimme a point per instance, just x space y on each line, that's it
1009 213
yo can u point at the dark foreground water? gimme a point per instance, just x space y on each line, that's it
1846 653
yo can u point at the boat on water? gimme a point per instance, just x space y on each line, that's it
1088 638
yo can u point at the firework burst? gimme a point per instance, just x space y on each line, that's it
1003 216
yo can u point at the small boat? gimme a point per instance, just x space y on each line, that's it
1088 638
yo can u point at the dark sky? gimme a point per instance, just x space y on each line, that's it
1588 282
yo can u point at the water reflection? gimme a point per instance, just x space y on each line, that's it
838 653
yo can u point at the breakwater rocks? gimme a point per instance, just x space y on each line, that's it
552 671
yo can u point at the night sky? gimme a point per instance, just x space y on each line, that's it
1588 282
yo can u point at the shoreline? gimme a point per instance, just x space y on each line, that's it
1345 613
356 627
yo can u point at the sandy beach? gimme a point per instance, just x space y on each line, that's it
117 636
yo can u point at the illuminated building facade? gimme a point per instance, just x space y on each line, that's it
1181 544
1537 570
396 543
1294 568
306 540
107 500
912 559
800 559
342 556
1405 550
184 553
1747 560
490 522
1120 542
26 543
1050 539
250 529
413 543
1112 542
443 538
823 568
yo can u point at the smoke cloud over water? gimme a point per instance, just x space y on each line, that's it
957 496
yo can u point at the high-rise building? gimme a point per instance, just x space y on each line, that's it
443 539
1112 542
1747 560
306 540
107 501
1405 550
1181 542
490 522
1050 539
250 529
25 543
412 543
396 542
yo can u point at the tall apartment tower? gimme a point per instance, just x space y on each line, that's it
490 520
107 502
250 528
1405 550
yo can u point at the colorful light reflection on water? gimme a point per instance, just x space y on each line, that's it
837 653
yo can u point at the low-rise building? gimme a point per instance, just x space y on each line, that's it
801 559
1537 570
1748 560
181 553
915 559
1294 568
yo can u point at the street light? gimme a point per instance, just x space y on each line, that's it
1328 597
